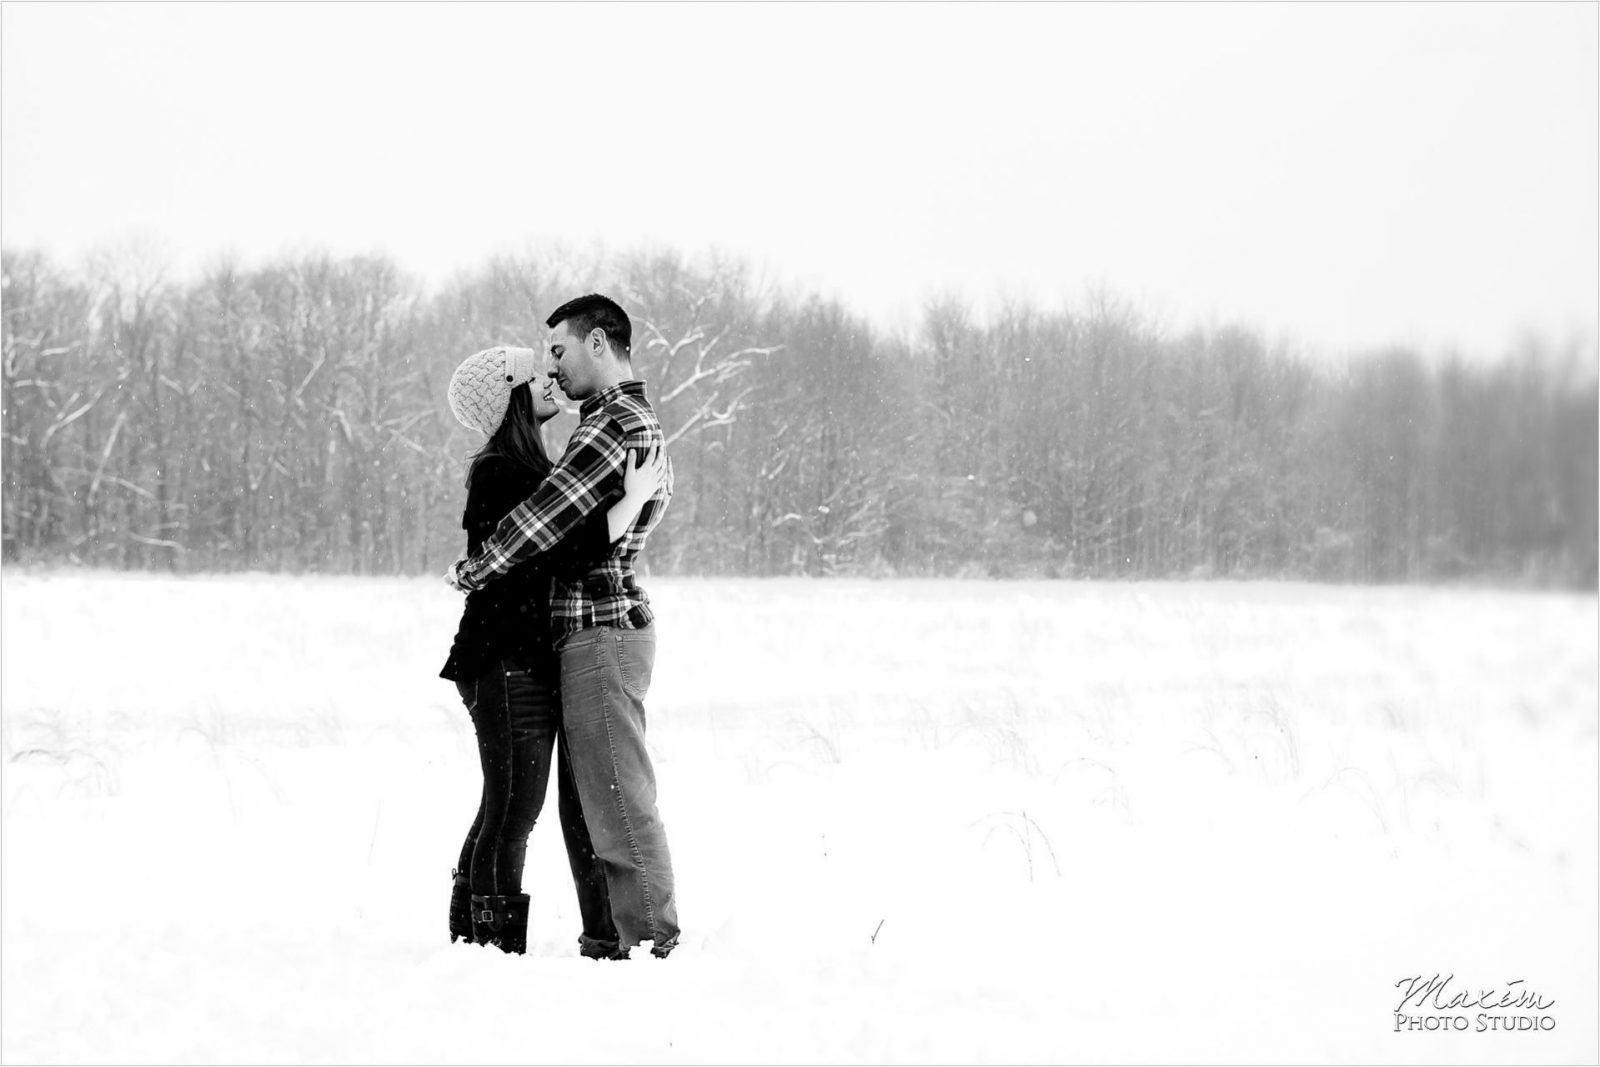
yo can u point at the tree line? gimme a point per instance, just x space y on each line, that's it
292 417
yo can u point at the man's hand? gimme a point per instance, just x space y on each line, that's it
452 579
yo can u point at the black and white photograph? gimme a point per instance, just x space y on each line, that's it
837 533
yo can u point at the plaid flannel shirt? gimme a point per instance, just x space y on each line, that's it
588 478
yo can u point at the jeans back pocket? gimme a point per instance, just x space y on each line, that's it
636 660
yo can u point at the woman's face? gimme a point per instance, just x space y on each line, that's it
547 398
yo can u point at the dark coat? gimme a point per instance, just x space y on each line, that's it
509 619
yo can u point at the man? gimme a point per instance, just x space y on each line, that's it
602 624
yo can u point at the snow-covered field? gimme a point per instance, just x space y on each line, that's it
912 821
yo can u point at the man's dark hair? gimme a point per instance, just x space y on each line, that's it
587 312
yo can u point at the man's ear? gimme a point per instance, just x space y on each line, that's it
597 337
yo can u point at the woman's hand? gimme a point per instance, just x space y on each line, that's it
642 477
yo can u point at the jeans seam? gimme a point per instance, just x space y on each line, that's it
499 843
628 684
616 778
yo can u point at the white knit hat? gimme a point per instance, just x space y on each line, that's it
480 389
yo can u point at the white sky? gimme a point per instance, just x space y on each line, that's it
1338 176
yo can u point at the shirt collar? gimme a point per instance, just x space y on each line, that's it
631 387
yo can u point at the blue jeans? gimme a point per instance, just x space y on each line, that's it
605 673
516 715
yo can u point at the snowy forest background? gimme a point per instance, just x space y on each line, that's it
292 417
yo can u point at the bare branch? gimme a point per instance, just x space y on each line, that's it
105 454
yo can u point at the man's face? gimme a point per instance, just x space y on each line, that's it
575 361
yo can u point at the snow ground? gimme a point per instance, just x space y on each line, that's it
1085 822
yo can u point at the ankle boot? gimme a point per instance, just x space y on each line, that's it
501 920
460 908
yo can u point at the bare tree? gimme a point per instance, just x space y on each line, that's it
293 417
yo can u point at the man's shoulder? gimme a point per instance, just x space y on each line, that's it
607 429
633 415
624 418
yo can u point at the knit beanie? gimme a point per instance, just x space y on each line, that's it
480 389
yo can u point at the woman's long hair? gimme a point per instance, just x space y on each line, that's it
518 438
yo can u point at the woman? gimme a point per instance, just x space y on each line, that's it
503 664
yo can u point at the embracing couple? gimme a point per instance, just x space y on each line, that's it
556 644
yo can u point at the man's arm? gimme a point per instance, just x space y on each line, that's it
585 548
499 484
586 480
596 535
